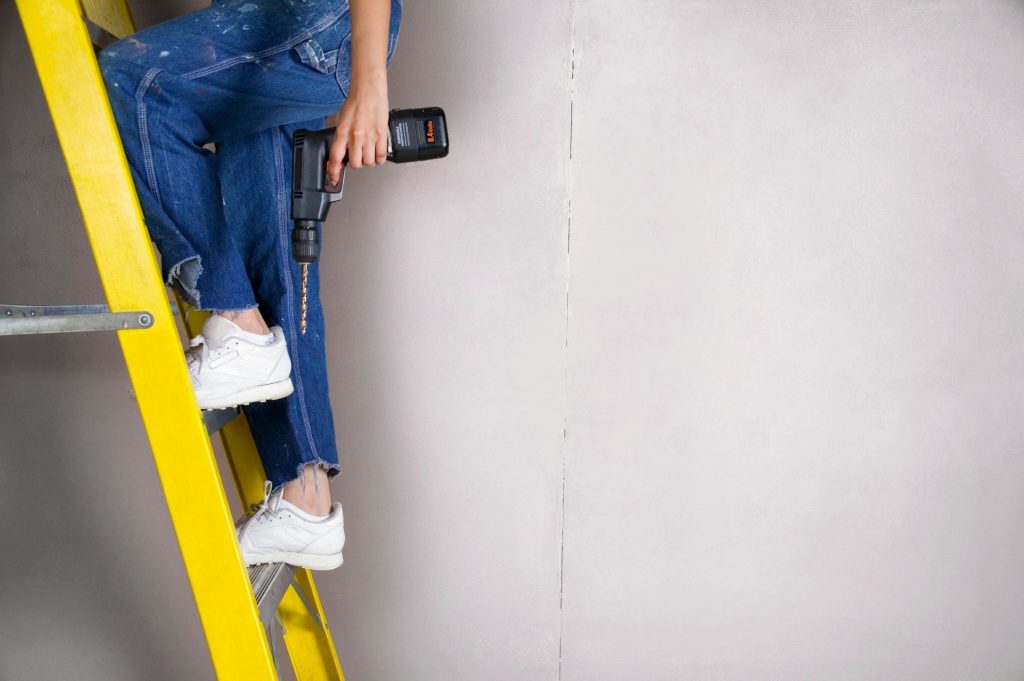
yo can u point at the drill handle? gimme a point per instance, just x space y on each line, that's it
310 196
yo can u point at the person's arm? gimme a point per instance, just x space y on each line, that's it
362 122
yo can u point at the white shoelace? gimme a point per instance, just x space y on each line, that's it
261 511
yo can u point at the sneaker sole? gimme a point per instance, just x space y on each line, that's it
304 560
261 393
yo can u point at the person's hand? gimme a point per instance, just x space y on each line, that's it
362 128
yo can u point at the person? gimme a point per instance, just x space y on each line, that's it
245 75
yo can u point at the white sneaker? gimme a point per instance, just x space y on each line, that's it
229 369
279 532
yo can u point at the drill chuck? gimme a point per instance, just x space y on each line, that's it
305 242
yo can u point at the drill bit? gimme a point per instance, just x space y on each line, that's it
302 319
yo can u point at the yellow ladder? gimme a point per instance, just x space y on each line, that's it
242 611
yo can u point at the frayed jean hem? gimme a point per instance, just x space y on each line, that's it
333 470
183 277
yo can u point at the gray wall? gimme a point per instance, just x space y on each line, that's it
718 378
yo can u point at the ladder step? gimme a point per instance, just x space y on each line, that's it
218 418
270 582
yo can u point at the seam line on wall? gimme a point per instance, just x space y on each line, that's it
565 377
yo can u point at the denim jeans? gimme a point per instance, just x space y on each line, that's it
244 74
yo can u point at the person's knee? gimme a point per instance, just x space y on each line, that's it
121 74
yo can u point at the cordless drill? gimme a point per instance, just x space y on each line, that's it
413 135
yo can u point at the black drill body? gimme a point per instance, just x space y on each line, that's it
413 135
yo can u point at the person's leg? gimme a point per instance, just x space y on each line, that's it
176 181
295 436
215 74
310 490
298 523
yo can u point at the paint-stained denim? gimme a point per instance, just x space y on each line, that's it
244 74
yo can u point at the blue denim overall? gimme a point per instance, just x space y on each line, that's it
244 74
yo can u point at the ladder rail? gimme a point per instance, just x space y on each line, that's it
178 433
113 16
198 507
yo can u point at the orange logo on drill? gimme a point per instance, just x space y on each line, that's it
430 131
